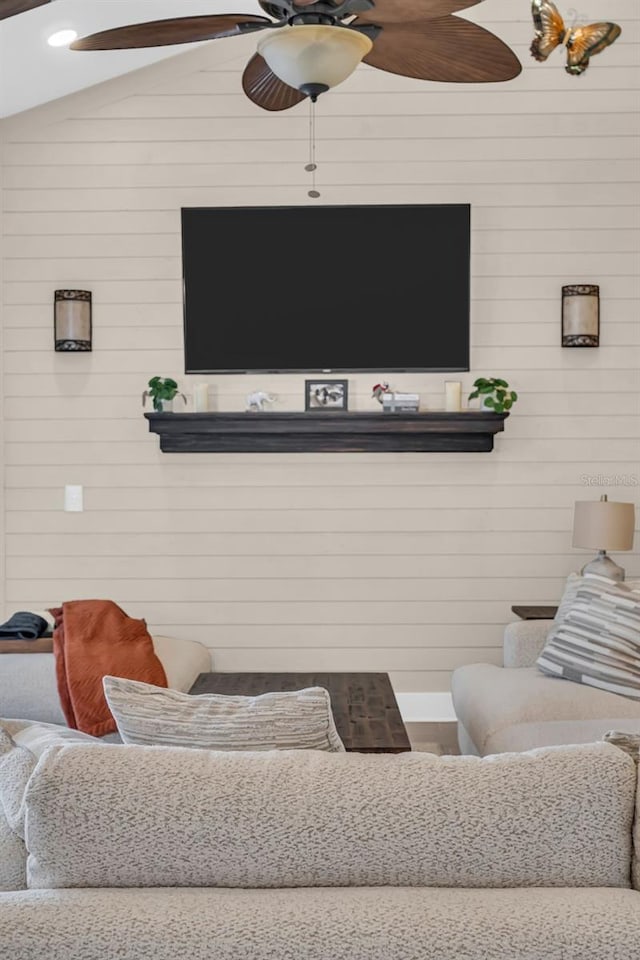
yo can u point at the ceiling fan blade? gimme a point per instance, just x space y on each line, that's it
9 8
401 11
266 90
160 33
449 50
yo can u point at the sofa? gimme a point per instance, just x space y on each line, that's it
517 707
162 853
28 687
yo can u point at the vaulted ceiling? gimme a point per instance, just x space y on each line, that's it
32 72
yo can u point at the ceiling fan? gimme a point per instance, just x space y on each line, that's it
313 45
9 8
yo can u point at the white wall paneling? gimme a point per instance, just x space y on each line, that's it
409 562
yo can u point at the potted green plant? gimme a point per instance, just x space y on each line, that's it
162 390
495 394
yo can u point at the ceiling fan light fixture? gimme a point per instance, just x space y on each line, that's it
314 55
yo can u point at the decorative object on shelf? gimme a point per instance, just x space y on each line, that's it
200 397
452 396
162 391
315 46
257 402
379 389
72 321
603 525
495 394
326 394
581 42
400 402
581 315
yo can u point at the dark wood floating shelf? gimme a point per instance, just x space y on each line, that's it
470 431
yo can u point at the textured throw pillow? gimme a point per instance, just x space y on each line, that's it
297 720
597 642
568 596
570 592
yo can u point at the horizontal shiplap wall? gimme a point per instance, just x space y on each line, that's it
407 563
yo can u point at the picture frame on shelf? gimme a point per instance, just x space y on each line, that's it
326 395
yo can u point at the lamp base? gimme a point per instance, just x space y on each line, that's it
603 566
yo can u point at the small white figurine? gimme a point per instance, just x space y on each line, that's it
256 401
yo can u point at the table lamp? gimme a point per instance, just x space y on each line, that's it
603 525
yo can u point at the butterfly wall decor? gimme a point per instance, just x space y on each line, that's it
581 42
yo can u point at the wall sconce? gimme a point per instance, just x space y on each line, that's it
72 320
581 315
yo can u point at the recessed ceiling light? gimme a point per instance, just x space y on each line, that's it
62 38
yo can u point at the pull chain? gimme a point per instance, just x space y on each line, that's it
312 166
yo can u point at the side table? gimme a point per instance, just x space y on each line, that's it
534 612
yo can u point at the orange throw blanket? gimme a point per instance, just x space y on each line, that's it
93 638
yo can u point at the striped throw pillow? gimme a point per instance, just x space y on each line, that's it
598 640
154 716
571 587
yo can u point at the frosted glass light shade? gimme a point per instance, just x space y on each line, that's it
603 525
72 320
313 53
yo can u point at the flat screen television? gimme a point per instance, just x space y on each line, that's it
375 287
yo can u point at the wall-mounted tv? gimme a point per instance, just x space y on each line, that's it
374 287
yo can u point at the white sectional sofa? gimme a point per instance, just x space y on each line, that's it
516 707
164 853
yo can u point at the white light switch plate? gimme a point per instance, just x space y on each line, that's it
73 498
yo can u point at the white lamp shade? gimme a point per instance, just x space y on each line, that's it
313 53
603 525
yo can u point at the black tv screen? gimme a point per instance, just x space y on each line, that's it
328 288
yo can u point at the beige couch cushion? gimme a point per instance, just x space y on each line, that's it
21 744
488 700
13 858
182 660
631 744
332 924
635 878
530 736
16 766
167 816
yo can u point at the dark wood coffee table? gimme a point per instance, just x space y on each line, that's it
363 704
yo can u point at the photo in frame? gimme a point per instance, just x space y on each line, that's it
326 395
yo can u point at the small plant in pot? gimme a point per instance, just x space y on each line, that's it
162 390
495 394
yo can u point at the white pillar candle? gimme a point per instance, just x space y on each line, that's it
201 397
453 395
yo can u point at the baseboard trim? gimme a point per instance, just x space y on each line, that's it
426 707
